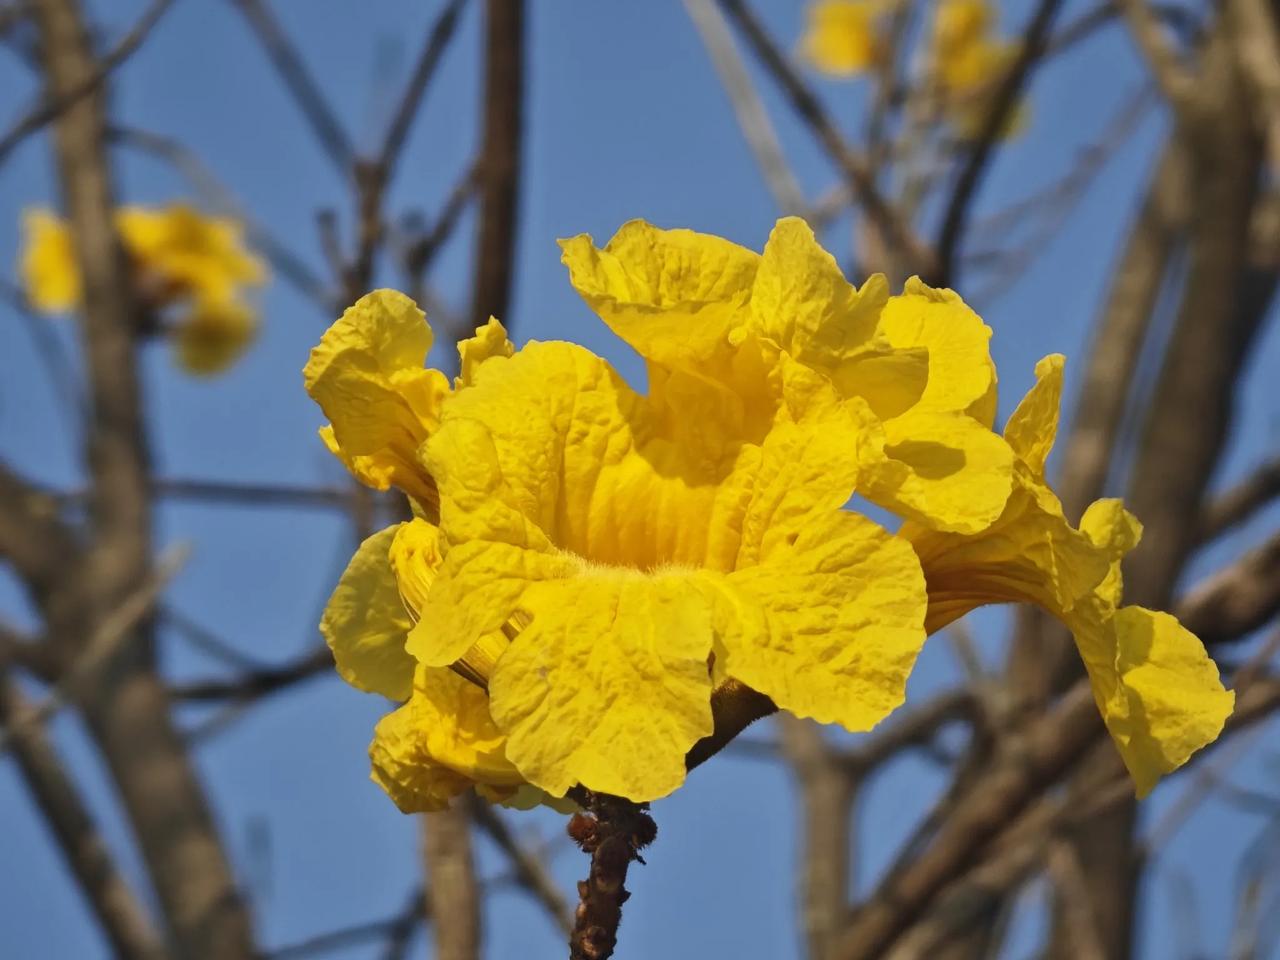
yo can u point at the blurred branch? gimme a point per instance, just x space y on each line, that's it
1237 599
452 894
748 108
418 255
257 683
1235 506
529 871
433 49
31 656
826 792
62 377
113 631
499 163
1176 82
1032 763
1254 23
293 71
118 909
40 548
51 105
1053 204
395 929
905 250
909 727
958 207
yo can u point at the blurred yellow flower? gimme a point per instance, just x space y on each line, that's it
969 63
587 563
181 259
843 37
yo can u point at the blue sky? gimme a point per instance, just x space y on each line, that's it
625 118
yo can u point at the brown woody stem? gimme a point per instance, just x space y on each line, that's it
613 830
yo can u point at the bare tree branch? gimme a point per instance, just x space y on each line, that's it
958 208
118 910
52 105
752 117
293 71
1237 505
499 163
529 871
452 893
905 250
1174 78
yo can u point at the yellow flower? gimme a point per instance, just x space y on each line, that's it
179 253
213 335
969 64
843 37
590 562
181 259
48 265
603 563
1155 685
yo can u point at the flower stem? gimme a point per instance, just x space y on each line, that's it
612 830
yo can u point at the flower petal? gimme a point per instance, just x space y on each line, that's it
608 686
489 341
213 335
830 626
1033 426
368 378
960 368
50 274
365 622
944 470
840 36
440 743
1175 700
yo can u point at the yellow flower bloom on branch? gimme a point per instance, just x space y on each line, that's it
590 563
191 266
844 37
969 63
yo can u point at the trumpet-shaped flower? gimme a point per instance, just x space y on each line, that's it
844 37
590 563
182 261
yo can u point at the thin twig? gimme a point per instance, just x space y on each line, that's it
906 250
748 108
388 928
293 71
1175 80
256 684
1235 506
50 106
529 871
958 207
433 49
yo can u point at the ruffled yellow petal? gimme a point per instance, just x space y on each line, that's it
1175 700
50 276
213 336
365 622
841 37
944 470
957 341
489 341
608 686
367 375
1033 427
830 625
675 296
1155 685
439 744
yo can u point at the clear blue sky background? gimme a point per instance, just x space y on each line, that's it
625 119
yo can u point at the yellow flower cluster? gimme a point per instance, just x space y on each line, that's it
180 259
966 59
587 564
